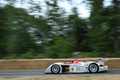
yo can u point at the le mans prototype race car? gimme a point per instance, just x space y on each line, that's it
77 66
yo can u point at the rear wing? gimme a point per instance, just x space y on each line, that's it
102 60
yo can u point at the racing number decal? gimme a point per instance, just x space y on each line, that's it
72 69
77 68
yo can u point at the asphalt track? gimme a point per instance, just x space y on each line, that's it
22 73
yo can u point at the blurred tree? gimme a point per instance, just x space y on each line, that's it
55 17
113 26
98 39
3 32
19 39
34 8
23 32
60 49
104 27
79 30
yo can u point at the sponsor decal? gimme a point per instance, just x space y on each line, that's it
66 67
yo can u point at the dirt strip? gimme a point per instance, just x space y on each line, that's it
42 64
115 77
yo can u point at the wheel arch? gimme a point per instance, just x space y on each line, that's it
90 62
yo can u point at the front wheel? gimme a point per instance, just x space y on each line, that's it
55 69
93 68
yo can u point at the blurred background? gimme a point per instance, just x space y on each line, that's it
32 29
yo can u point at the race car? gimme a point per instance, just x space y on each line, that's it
77 66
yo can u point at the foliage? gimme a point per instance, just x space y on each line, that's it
19 40
3 32
104 31
33 36
29 55
78 31
60 49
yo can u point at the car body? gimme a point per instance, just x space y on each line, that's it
77 66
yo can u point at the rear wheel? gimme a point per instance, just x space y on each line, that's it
55 69
93 68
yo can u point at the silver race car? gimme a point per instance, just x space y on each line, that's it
77 66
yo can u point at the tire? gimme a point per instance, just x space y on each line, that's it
55 69
93 68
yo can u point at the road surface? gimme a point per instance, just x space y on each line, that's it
22 73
